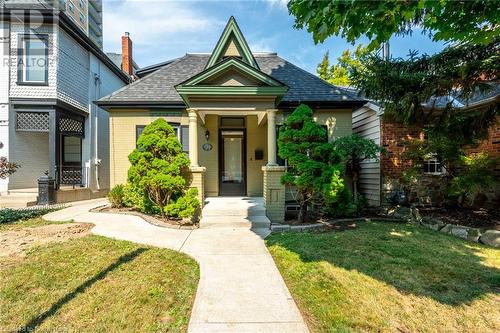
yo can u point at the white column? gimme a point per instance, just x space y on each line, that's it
271 137
193 137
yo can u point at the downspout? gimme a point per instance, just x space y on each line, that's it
96 161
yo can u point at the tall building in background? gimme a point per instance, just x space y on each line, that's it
87 14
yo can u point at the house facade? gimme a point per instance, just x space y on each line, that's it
381 179
50 74
226 107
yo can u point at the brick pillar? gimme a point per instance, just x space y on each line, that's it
274 193
198 181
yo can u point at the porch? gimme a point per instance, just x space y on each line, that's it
47 141
236 156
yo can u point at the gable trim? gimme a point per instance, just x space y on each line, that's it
232 28
227 63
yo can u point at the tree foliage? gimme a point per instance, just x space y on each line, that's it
353 150
158 165
340 73
412 89
477 177
473 21
304 144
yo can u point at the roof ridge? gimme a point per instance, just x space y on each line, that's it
142 79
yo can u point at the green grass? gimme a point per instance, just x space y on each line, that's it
95 284
390 277
34 222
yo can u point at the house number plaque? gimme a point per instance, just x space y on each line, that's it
207 147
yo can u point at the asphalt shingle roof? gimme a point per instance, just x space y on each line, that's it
158 86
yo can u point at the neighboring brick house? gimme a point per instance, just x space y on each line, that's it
379 180
51 72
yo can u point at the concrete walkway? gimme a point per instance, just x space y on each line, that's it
240 288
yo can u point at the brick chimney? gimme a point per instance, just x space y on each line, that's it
127 62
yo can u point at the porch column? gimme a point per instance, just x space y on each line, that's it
193 137
271 137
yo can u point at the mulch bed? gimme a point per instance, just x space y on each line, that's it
153 219
476 218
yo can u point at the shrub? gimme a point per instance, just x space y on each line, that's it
337 198
477 177
159 168
8 215
135 197
304 144
117 196
353 149
7 168
185 206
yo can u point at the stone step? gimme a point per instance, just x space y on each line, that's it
235 222
251 211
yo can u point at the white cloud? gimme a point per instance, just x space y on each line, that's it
159 29
282 4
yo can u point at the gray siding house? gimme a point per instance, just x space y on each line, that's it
50 74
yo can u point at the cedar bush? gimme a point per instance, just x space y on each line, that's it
159 171
304 144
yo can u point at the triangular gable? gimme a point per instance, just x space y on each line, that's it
228 64
232 43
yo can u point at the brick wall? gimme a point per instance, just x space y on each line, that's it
393 164
491 145
393 137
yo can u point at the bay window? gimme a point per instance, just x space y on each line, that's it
33 59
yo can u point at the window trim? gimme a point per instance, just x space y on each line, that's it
173 124
21 54
433 158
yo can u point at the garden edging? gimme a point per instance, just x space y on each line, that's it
477 235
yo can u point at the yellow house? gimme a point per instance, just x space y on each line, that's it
226 107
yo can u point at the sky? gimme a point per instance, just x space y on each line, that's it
163 29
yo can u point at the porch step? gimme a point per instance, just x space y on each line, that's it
251 222
234 213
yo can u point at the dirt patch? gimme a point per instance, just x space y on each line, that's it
17 242
477 218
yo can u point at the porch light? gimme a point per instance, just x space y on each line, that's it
207 134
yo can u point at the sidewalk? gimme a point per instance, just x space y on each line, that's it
240 288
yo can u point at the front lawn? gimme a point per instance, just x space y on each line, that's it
390 277
95 284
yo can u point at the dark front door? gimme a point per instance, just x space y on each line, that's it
232 163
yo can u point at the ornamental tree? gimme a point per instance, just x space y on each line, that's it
7 168
304 144
158 165
353 150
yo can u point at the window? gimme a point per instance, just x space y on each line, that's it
232 122
81 4
71 7
33 59
432 165
182 133
82 18
72 150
